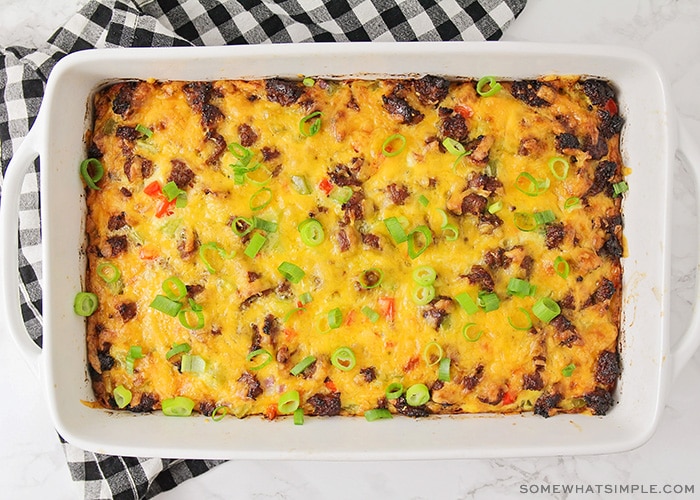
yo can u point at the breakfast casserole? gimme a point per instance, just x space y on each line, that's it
369 247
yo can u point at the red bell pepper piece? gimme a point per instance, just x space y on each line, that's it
325 186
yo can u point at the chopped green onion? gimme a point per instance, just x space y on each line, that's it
561 267
291 313
572 203
343 359
423 200
528 320
432 354
179 406
444 369
256 203
568 370
112 273
212 246
400 139
122 396
546 309
544 217
495 207
305 298
174 288
490 81
98 171
395 229
240 152
177 349
300 184
262 353
532 187
620 187
417 395
144 131
181 201
291 272
394 390
191 363
415 247
518 287
559 167
377 414
453 147
488 301
450 232
310 124
165 305
465 333
171 191
467 303
299 416
266 225
524 221
443 217
85 303
135 352
288 402
242 226
342 194
219 413
257 241
459 159
371 278
371 314
335 318
184 317
424 275
311 232
308 82
302 365
423 294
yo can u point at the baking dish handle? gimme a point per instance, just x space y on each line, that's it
690 340
9 253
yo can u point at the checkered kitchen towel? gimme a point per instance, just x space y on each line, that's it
165 23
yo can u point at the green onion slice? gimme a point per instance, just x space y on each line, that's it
185 318
394 390
85 304
145 131
311 232
171 191
135 352
371 278
568 370
559 167
424 275
377 414
291 272
305 298
465 333
165 305
299 416
174 288
343 359
546 309
291 313
91 179
417 395
268 226
526 325
422 295
219 413
524 221
423 200
342 194
371 314
450 232
300 184
488 301
179 406
561 267
393 145
453 147
444 369
415 246
288 402
257 241
467 303
191 363
487 81
432 354
203 249
310 124
495 207
122 396
572 203
518 287
302 365
108 272
260 199
264 354
308 82
335 318
544 217
177 349
527 184
242 226
620 187
395 229
240 152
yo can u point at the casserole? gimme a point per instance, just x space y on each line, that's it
649 143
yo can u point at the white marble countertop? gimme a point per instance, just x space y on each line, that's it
32 464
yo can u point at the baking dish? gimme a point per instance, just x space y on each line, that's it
648 363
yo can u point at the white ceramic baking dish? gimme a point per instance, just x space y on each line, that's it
649 146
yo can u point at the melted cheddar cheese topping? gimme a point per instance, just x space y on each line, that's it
533 198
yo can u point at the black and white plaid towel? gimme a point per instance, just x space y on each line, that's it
166 23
